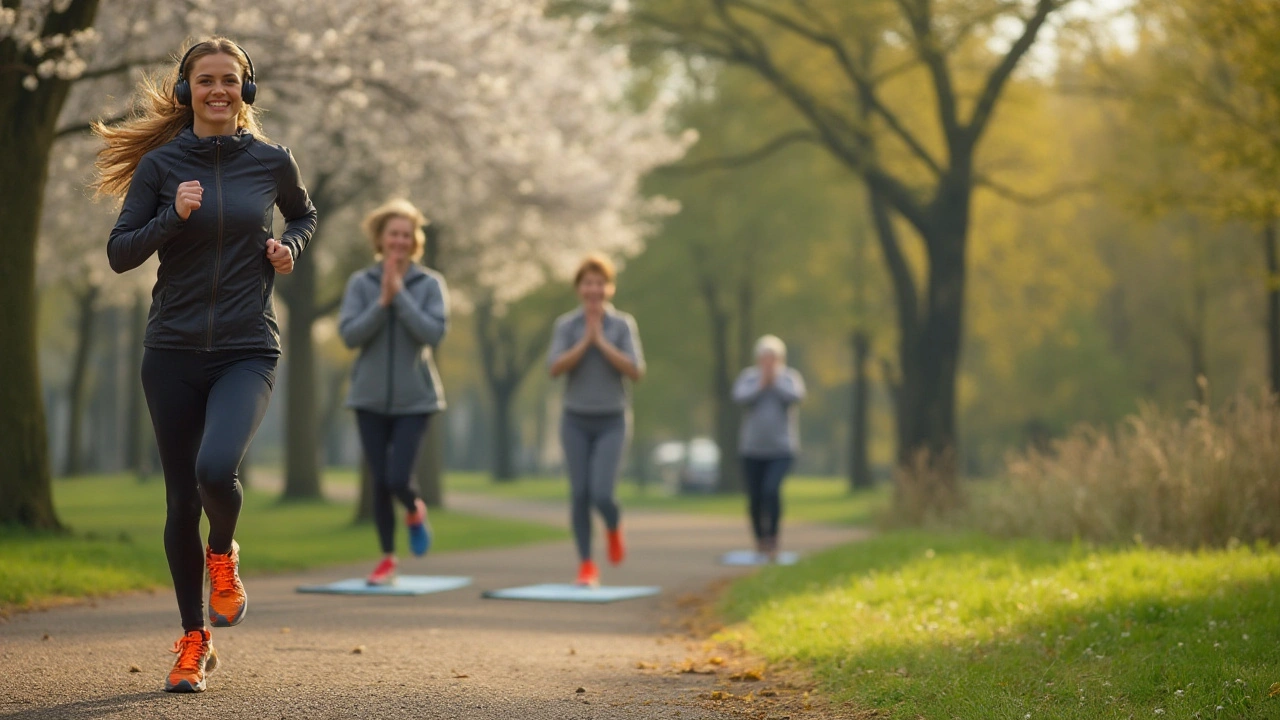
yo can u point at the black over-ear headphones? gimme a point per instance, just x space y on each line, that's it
182 90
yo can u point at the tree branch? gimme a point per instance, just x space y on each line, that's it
1035 199
1000 75
120 67
734 161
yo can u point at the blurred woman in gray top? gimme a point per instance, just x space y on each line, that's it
395 312
769 392
597 348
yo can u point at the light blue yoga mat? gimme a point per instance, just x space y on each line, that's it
564 592
751 557
405 585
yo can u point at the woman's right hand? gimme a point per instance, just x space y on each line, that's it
391 282
188 198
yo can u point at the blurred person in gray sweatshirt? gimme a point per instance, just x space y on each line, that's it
597 349
769 393
395 312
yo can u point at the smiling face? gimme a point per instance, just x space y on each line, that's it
397 240
594 290
215 94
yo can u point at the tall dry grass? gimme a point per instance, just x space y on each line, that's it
1191 479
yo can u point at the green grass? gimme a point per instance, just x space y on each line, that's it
930 626
116 543
811 499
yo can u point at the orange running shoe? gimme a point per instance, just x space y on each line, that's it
588 575
196 658
227 601
617 547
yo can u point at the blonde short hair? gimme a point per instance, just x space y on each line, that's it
773 345
376 221
595 263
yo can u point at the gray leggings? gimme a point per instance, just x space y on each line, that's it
593 449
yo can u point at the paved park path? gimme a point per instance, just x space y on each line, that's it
448 655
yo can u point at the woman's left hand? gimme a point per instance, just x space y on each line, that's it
280 255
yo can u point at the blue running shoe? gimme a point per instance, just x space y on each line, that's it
419 530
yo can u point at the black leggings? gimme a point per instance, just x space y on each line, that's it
391 447
205 408
763 478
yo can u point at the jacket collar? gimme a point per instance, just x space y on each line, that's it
414 272
208 145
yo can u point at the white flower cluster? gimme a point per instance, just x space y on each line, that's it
44 54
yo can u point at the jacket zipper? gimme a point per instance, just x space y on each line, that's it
391 353
217 262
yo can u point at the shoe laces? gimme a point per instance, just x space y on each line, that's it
189 649
222 573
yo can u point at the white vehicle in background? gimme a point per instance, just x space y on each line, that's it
688 467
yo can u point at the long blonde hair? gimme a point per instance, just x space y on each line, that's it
158 117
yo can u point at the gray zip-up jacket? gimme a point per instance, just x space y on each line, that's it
771 426
395 373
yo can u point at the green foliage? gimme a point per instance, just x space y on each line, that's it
920 625
117 527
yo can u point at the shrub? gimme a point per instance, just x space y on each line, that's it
1192 479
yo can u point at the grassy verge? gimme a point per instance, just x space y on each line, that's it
811 499
117 529
921 625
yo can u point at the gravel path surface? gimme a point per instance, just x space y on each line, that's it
448 655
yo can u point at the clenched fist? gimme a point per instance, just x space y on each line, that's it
280 255
188 198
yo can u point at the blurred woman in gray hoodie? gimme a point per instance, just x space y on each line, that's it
395 312
769 393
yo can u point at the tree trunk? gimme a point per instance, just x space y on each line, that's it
504 468
927 449
27 123
430 467
1273 304
136 427
302 427
364 508
727 415
859 461
86 308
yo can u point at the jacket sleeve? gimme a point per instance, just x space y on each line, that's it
360 317
747 388
561 341
141 230
790 386
428 322
630 344
295 205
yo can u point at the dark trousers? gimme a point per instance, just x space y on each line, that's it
391 446
205 408
763 478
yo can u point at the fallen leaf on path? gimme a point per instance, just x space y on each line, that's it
768 693
752 675
580 690
47 636
357 650
572 651
642 665
460 676
689 667
720 695
135 669
717 660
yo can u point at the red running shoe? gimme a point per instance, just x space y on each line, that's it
227 599
588 575
617 546
385 573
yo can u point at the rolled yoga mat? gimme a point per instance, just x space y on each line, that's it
751 557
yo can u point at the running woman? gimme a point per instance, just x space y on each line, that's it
598 348
212 342
770 393
395 312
